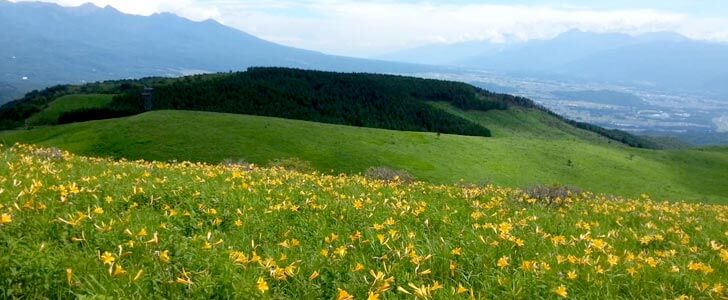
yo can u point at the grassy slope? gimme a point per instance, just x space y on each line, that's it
523 153
69 103
182 231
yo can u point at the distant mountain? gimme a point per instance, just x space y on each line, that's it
45 44
662 59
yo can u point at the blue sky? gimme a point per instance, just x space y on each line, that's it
371 27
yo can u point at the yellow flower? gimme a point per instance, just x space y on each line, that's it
99 210
358 267
69 276
612 260
5 219
164 256
314 275
571 275
344 295
118 270
724 255
107 258
561 291
341 251
503 262
457 251
461 289
184 278
262 285
528 265
372 296
718 289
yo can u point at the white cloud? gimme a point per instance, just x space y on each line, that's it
721 124
370 27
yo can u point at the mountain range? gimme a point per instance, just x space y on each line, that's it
663 60
48 44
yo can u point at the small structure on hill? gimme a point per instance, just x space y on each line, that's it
148 96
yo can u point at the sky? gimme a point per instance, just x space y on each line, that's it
368 28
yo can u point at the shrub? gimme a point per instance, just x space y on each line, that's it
388 174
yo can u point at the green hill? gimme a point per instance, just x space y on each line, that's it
69 103
528 148
367 100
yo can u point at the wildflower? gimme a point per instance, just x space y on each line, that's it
561 291
358 267
261 285
460 289
98 211
457 251
344 295
69 276
612 260
314 275
558 240
5 219
503 262
341 251
107 258
718 289
164 256
571 275
528 265
118 270
372 296
184 278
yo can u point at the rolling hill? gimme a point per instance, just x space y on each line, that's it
528 148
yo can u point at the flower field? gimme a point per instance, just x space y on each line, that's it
74 226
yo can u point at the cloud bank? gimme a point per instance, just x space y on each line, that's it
367 28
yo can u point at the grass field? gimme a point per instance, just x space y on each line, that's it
68 103
75 227
531 149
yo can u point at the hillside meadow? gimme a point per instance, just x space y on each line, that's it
528 148
73 226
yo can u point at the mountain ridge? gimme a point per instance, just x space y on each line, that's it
62 45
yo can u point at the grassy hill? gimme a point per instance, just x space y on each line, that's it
69 103
367 100
528 148
76 227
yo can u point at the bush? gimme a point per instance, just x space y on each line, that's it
388 175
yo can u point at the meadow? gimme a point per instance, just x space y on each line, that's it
55 109
527 148
74 226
